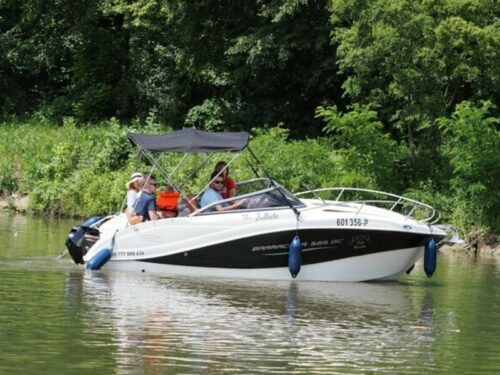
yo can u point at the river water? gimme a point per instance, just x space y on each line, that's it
58 318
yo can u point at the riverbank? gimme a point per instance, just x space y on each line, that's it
15 202
79 171
471 250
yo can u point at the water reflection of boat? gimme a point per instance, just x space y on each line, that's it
187 296
334 234
207 324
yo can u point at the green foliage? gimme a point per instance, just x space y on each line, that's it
416 59
381 72
472 139
425 191
295 164
60 168
8 182
358 137
210 63
208 116
82 171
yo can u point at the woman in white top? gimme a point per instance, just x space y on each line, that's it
134 187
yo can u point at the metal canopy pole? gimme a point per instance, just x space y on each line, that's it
297 212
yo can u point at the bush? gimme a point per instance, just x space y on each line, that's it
472 144
295 164
366 151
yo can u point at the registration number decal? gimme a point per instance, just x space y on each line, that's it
352 222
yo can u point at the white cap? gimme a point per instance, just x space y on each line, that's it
134 178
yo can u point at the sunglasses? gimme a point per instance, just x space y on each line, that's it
153 183
218 182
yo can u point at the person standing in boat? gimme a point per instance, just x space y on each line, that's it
145 207
212 195
229 187
134 187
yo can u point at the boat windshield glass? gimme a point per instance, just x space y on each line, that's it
272 198
261 193
254 185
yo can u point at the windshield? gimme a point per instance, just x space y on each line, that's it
259 194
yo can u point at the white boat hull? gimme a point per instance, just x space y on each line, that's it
389 265
254 245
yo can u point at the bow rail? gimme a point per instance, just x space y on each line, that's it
406 206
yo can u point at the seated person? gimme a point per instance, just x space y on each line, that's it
166 202
229 189
212 195
145 207
134 187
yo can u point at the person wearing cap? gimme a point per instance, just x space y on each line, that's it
134 187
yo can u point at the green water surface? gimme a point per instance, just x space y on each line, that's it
58 318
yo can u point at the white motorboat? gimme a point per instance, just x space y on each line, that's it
336 234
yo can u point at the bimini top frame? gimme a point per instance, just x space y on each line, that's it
187 141
196 141
191 140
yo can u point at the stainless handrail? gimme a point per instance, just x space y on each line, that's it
397 201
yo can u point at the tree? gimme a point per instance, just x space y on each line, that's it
416 59
359 138
224 64
63 58
472 144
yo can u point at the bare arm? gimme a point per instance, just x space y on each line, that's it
153 215
236 204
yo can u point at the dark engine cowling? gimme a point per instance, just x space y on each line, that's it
81 238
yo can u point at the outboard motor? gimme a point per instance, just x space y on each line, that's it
81 238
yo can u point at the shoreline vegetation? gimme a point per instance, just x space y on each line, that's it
79 171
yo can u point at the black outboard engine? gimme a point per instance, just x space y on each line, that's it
81 238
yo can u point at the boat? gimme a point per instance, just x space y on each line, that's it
328 234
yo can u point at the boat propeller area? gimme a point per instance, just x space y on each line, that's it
81 238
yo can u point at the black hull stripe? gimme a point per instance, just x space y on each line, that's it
271 250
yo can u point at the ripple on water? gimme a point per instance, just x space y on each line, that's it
56 317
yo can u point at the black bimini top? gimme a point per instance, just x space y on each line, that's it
191 140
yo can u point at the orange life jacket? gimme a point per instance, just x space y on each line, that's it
166 203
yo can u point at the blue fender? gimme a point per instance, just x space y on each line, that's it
99 259
430 257
294 256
